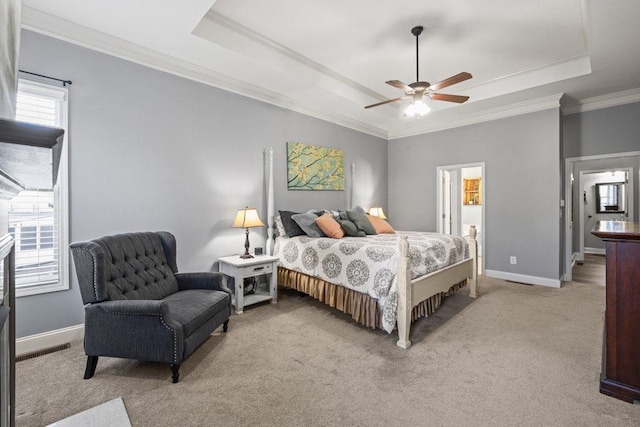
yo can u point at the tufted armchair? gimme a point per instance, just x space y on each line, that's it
137 305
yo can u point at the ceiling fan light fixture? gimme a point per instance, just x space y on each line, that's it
417 109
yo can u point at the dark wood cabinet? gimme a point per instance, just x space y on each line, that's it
7 333
620 376
20 143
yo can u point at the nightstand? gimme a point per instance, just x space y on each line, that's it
240 269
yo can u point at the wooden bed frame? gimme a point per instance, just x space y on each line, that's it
410 292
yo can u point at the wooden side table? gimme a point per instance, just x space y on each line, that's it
240 269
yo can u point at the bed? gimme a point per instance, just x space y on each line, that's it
407 273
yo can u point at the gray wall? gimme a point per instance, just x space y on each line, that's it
151 151
604 131
522 186
600 132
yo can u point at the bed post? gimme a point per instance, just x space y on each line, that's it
353 184
270 219
404 295
473 253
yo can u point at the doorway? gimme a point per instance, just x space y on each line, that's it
461 202
574 227
591 211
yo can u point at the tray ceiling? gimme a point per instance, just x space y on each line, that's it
329 59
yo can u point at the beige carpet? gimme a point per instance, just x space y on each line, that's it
518 355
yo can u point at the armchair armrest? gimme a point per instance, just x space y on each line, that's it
210 280
134 329
135 307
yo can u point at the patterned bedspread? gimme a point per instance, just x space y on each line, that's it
369 264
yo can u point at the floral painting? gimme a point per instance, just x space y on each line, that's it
310 167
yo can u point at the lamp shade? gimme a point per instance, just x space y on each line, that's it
246 218
377 211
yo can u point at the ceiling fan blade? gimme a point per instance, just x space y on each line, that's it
450 98
451 81
400 85
385 102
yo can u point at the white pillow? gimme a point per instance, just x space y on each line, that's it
279 227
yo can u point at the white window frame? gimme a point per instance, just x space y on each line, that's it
61 190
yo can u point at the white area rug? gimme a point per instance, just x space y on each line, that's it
109 414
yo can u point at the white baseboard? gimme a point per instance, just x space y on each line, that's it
38 342
523 278
597 251
578 257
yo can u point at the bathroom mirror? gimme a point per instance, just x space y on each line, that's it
611 197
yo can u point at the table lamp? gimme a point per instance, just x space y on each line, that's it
245 218
377 211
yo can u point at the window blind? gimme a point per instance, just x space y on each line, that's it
33 223
33 215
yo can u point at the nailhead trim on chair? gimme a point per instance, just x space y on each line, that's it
95 274
175 337
175 340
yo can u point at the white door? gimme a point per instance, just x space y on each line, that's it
450 196
451 215
446 202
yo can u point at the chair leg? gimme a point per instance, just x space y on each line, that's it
92 362
174 372
225 326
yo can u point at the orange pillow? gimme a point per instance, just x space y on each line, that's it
330 226
380 225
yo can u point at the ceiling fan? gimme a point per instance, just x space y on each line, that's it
418 90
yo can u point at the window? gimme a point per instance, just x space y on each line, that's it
38 216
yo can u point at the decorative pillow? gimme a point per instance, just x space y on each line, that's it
330 226
380 225
358 209
362 222
290 226
350 229
343 215
307 221
279 227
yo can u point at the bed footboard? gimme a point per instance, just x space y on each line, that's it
411 293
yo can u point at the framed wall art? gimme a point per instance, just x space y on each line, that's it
311 167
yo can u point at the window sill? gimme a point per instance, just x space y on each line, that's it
27 291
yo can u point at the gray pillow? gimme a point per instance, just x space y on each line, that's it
350 229
307 222
290 226
359 210
361 221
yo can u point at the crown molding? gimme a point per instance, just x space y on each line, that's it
532 106
604 101
44 23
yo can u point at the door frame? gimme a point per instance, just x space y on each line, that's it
569 258
440 201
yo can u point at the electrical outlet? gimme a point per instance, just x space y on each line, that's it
513 260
